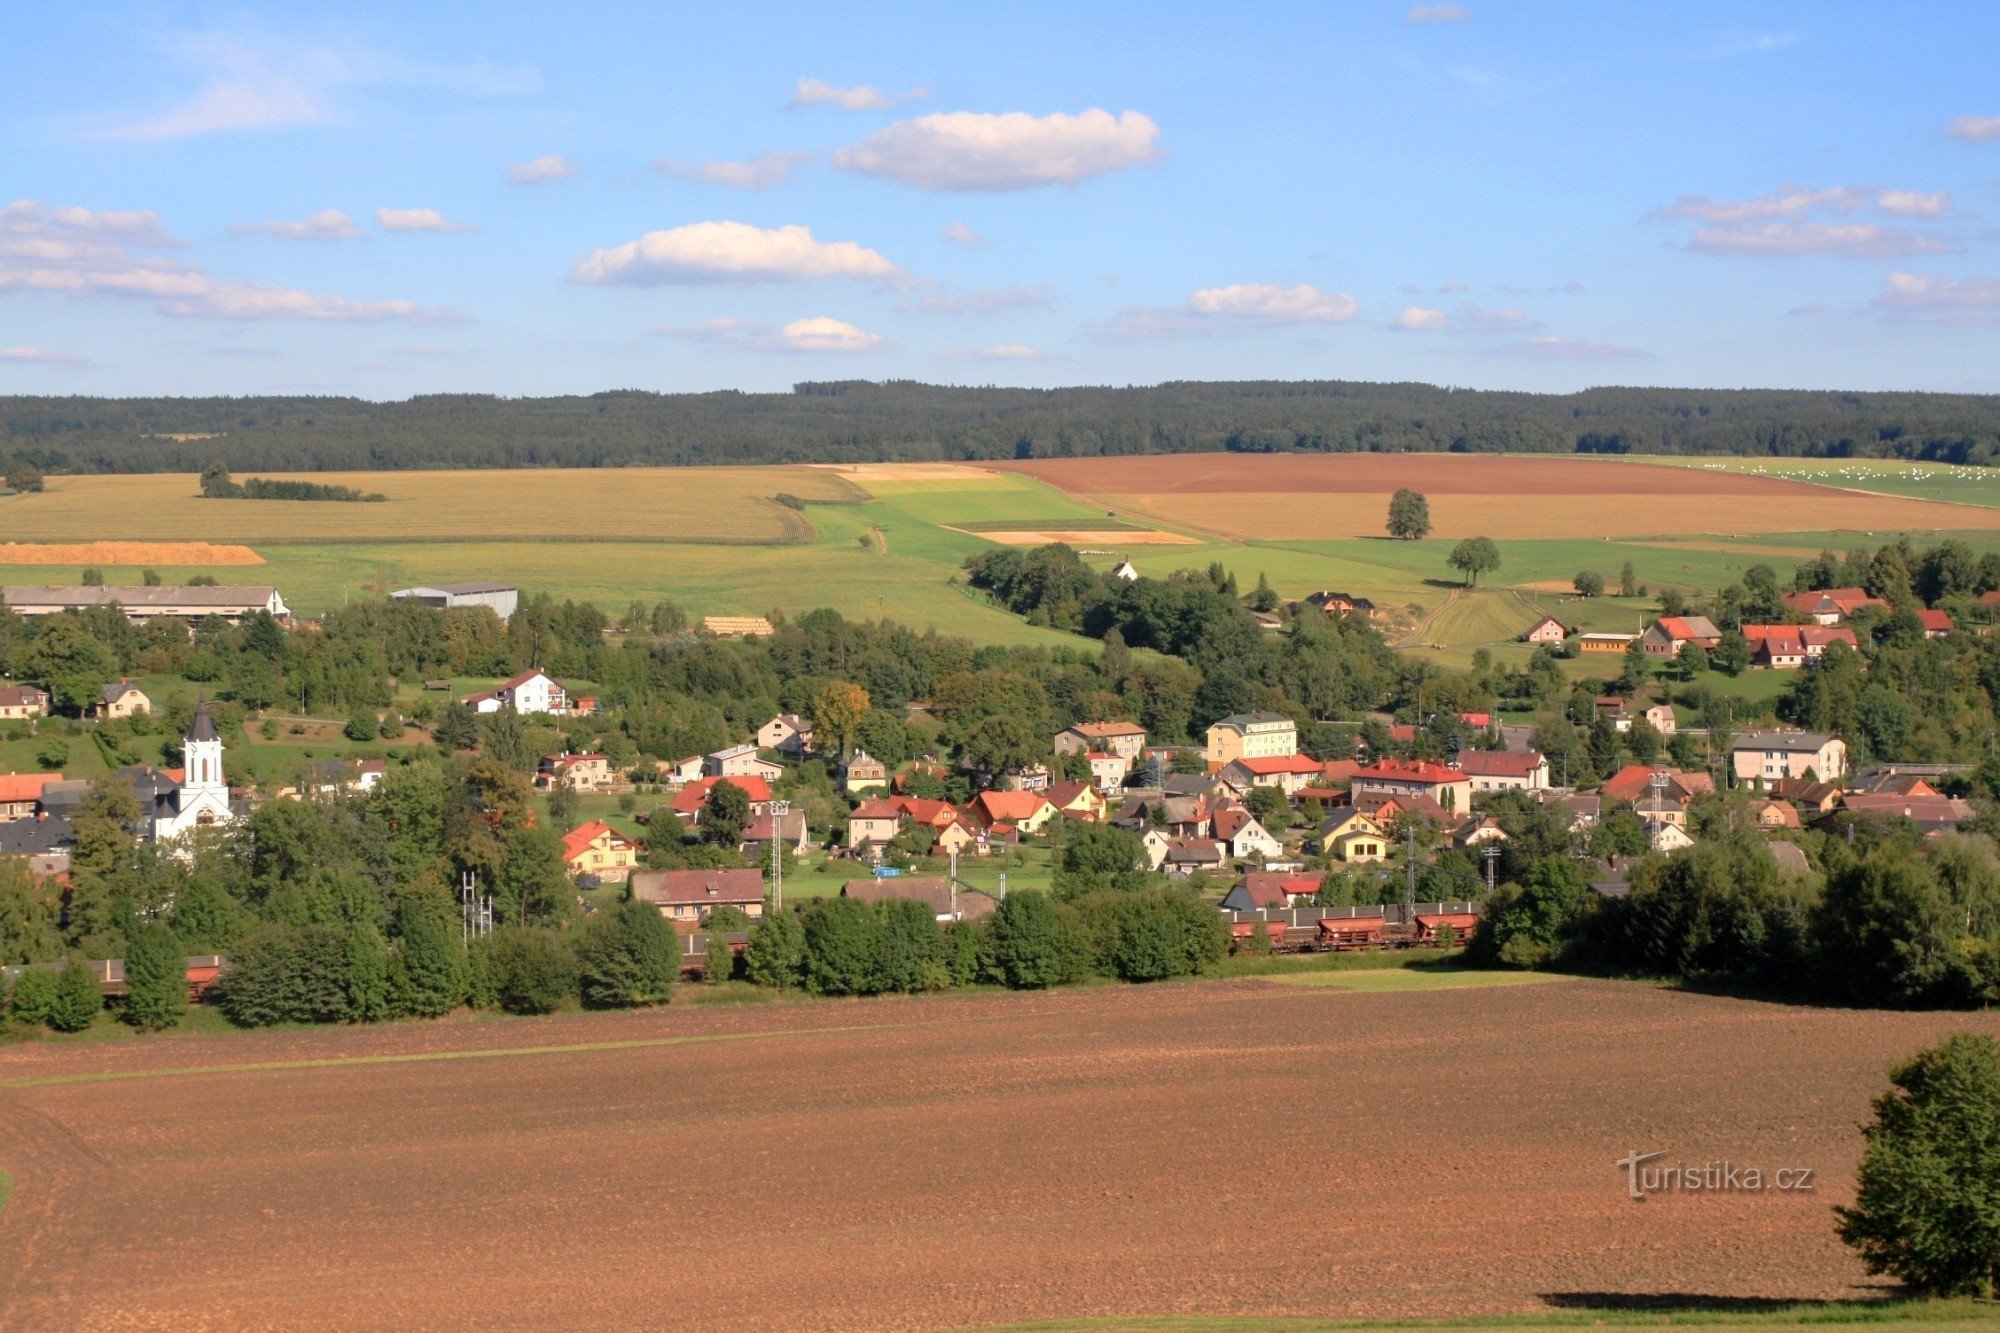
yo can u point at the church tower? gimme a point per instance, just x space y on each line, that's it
201 756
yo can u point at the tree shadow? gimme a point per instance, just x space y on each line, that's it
1668 1301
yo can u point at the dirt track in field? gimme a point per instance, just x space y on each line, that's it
1223 1147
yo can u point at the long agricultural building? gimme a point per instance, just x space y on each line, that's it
149 602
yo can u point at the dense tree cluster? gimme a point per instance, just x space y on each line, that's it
217 484
858 421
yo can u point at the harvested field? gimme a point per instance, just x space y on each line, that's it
1228 1148
715 505
1297 497
863 473
1011 536
125 553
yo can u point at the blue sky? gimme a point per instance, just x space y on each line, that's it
395 199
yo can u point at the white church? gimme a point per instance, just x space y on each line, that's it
202 798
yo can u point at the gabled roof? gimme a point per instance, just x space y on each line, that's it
1831 601
1230 822
993 807
1106 730
1935 622
1797 640
13 696
694 796
1271 765
1687 627
682 888
1499 763
1635 782
876 808
1064 794
118 689
1421 771
922 809
17 787
579 839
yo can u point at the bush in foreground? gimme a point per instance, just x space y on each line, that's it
1927 1209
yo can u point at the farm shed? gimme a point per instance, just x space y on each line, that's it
498 597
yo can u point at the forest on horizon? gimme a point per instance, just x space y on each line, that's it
858 421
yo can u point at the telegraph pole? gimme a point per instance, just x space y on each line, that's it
1410 873
1492 858
779 810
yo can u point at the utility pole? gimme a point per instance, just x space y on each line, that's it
779 810
1492 858
1410 873
954 884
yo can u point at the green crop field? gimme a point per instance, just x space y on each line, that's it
1883 476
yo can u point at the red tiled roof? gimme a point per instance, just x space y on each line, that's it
1065 794
1935 622
1499 763
1104 729
994 807
923 810
876 808
1284 763
694 796
1409 770
578 840
688 887
16 787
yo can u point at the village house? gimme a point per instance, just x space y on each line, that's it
1931 814
863 772
1660 717
599 850
1354 836
1155 841
1546 630
1477 832
21 793
690 801
741 761
23 701
122 699
1340 603
1251 736
788 828
1603 642
933 891
1775 815
1125 572
1763 757
1272 891
1126 739
1188 856
678 772
1664 837
1636 781
1831 606
1503 770
1448 787
533 691
1817 797
335 777
873 825
1668 635
684 897
576 772
1789 647
1109 771
1936 624
1246 839
1077 800
788 734
1290 774
1024 811
1579 810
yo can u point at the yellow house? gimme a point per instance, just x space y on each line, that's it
598 849
1079 800
1353 836
123 700
1251 736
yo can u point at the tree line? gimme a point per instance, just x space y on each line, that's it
861 421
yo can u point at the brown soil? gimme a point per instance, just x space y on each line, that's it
126 553
1230 1148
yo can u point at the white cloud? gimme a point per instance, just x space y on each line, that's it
41 356
1796 200
329 224
261 82
1511 319
1438 13
1975 129
416 219
758 173
1252 304
987 302
1913 203
1417 318
816 92
735 252
966 150
1548 347
997 352
1853 240
548 167
1945 300
1267 303
81 253
960 234
822 333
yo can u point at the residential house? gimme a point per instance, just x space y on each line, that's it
1931 814
601 851
1503 770
684 897
1816 797
933 891
333 777
1077 800
1601 642
1660 717
863 772
1035 777
787 733
22 701
1251 736
1108 770
1120 738
1477 832
1354 836
1775 815
1125 572
1290 774
1635 781
1448 787
788 828
576 772
690 801
1664 837
679 772
1661 809
122 699
1580 810
1831 606
1668 635
1246 839
1546 630
1155 841
741 761
1025 811
533 691
1340 603
1269 891
1936 624
1789 647
1188 856
873 825
1766 756
21 793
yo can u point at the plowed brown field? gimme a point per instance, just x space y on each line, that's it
1306 497
1222 1147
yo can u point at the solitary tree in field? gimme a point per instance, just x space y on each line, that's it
1927 1204
1474 556
1589 583
1409 515
1628 582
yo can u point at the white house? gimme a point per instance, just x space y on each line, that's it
533 691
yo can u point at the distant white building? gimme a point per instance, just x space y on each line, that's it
149 602
450 596
202 799
1126 572
530 692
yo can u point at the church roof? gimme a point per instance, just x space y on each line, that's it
203 728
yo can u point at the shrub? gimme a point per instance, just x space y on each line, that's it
78 998
287 975
1927 1205
361 727
842 945
912 948
52 754
430 970
367 975
534 971
627 957
776 955
35 997
1032 944
155 979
